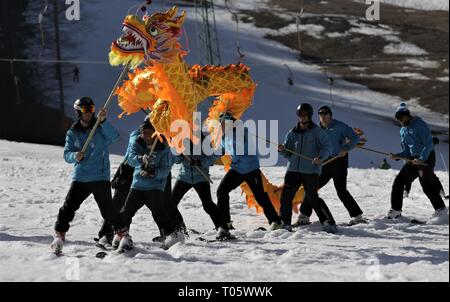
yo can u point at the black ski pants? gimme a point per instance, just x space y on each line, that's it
78 192
155 202
120 195
232 180
410 172
336 170
203 190
310 182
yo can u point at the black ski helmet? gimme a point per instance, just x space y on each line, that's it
326 108
307 108
83 102
146 124
226 116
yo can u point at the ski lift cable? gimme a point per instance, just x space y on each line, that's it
300 46
291 75
40 21
298 22
52 61
318 63
236 18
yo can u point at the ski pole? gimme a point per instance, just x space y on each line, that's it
108 101
200 170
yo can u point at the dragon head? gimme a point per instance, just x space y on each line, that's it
152 39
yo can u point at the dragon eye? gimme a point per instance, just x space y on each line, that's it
153 31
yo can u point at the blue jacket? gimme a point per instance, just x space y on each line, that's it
133 137
190 174
417 140
95 164
242 162
341 136
313 142
161 161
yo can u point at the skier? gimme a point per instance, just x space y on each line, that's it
244 168
149 182
436 180
121 183
310 141
384 165
76 75
417 145
91 169
191 177
343 139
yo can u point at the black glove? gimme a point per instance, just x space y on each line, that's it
147 171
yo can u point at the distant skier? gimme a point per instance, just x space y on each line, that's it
310 141
91 169
436 180
384 165
244 168
417 145
149 182
343 139
76 75
190 177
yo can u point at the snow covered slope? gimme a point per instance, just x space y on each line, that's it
274 99
418 4
34 180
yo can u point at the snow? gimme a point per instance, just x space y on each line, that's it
336 34
404 48
416 4
312 30
34 180
409 75
422 63
370 30
420 4
443 79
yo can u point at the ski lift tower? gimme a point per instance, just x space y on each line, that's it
207 43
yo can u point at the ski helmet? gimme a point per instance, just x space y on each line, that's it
146 124
306 108
84 104
226 116
325 108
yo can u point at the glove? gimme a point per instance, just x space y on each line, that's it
148 158
147 171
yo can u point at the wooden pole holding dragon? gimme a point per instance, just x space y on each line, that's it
108 101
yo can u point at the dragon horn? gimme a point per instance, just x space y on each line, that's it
177 22
170 13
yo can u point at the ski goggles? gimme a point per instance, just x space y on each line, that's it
86 109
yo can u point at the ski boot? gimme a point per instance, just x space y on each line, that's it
58 242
